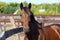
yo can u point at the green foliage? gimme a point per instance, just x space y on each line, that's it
50 9
2 5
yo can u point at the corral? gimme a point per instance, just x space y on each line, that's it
6 22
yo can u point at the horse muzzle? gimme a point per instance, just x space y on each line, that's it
26 29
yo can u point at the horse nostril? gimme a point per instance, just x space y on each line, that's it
20 15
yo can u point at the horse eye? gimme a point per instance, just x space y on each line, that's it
20 15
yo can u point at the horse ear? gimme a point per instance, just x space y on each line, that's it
29 6
21 5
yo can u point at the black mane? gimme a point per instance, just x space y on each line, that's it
33 18
34 26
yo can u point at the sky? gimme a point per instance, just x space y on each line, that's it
32 1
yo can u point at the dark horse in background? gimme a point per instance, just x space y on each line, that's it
34 30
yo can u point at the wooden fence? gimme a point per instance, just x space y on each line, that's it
7 25
4 18
45 18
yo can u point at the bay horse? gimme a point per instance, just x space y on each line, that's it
34 30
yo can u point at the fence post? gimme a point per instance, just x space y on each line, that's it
13 23
5 24
18 34
43 19
0 29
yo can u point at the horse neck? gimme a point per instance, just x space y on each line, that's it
33 21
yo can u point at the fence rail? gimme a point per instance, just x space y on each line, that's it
4 18
5 21
39 18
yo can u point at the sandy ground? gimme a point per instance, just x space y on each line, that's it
15 36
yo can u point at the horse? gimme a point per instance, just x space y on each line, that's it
34 30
